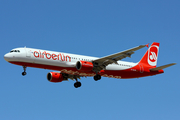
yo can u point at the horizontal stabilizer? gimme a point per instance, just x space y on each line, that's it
162 67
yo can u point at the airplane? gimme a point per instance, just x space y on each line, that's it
74 67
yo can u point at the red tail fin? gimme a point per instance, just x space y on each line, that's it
150 57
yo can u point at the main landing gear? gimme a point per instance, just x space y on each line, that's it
77 84
24 73
97 77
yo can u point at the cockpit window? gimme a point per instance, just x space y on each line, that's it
14 51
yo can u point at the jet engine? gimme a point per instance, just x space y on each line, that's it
84 66
55 77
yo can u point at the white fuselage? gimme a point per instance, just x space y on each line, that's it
45 57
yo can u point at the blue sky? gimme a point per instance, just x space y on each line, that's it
95 28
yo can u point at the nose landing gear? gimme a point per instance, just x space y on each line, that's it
24 73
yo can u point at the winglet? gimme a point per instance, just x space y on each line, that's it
162 67
147 45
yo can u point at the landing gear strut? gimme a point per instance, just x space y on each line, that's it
24 73
97 77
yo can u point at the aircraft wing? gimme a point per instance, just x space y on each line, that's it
101 63
72 77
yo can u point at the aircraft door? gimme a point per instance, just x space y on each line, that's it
28 52
141 68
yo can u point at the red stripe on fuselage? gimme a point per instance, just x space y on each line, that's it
133 72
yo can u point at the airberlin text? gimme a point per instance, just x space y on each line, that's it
59 56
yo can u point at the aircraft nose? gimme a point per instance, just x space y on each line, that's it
7 57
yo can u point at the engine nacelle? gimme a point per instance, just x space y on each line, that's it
84 66
55 77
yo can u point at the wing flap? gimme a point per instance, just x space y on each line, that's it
70 76
162 67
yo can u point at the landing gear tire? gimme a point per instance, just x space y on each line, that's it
24 73
97 77
77 84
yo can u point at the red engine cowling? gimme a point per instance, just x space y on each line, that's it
84 66
55 77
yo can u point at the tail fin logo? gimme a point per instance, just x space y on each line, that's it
152 55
